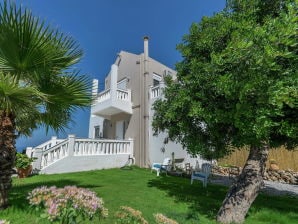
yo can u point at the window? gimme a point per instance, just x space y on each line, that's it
97 133
122 84
156 79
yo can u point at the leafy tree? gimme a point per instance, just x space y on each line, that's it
236 85
38 84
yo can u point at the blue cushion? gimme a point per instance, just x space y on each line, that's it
157 166
199 175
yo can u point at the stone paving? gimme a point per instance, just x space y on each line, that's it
272 188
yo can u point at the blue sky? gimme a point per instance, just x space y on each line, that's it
105 27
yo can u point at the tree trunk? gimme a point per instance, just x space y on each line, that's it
242 194
7 155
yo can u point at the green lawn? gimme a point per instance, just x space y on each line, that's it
142 190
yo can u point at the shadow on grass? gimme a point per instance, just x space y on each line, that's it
207 201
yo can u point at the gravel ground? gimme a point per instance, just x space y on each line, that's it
272 188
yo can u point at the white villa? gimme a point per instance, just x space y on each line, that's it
120 122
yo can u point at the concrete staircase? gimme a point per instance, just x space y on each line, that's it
79 154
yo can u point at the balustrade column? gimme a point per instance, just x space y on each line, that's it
129 95
71 144
53 142
113 85
37 153
130 147
94 88
29 151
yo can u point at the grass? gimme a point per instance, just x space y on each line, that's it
142 190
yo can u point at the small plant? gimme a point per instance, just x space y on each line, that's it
162 219
128 215
4 221
272 161
66 204
23 161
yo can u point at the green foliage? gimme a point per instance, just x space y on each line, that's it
237 83
23 161
38 82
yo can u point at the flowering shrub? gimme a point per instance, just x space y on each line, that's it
128 215
4 222
162 219
66 204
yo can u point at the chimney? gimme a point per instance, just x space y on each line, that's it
146 54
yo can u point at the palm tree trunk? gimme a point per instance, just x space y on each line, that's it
7 155
242 194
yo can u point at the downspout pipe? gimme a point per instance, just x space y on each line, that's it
146 102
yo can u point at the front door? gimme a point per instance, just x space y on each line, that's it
120 130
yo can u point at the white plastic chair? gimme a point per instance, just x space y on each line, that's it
161 167
203 174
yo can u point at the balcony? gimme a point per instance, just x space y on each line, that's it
155 92
109 102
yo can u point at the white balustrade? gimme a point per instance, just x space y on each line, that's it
102 96
55 153
43 147
46 145
123 95
155 92
85 147
80 147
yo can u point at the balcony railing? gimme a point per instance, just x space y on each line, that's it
123 95
155 92
84 147
105 95
120 95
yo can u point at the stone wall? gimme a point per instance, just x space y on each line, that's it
282 176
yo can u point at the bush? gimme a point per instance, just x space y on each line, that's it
67 204
162 219
23 161
128 215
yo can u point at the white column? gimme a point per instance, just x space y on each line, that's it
129 95
114 77
71 144
38 155
53 141
29 151
94 88
131 147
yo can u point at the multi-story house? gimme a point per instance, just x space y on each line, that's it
124 109
120 122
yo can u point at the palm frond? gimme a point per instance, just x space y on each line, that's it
66 94
36 72
29 46
16 96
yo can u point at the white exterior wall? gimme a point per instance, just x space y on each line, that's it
156 143
85 163
95 121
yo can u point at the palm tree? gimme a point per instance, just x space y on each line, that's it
38 84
